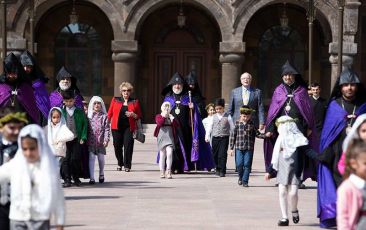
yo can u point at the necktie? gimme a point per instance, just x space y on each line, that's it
245 96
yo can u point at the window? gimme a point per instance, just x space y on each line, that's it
78 47
275 47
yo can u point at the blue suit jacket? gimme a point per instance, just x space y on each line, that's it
255 102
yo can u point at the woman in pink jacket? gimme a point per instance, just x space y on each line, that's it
351 194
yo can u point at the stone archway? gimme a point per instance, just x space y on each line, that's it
166 48
57 47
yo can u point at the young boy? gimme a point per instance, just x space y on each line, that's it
11 123
243 139
76 121
219 128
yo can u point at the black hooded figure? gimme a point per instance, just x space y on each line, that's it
56 97
16 91
39 81
347 102
197 97
186 156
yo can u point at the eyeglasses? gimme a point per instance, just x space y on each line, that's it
126 90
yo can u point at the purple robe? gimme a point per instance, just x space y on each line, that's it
302 101
57 101
25 97
42 99
335 122
201 150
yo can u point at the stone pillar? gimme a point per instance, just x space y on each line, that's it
349 46
124 57
231 58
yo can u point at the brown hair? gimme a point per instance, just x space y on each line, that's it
354 150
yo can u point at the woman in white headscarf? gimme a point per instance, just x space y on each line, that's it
36 193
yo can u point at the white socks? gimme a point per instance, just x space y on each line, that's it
283 194
101 163
166 153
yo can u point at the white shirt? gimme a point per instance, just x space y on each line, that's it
316 98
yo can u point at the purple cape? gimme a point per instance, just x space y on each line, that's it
201 150
42 99
56 100
301 99
334 123
25 97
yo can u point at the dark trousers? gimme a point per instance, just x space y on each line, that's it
4 216
219 151
123 146
71 164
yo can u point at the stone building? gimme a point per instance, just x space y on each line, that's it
140 41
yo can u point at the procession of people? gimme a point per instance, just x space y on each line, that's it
59 136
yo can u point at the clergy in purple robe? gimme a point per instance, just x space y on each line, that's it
192 151
291 98
66 81
39 81
16 90
348 100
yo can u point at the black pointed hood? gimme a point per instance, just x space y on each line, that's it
26 58
191 79
12 65
348 76
65 73
287 68
176 79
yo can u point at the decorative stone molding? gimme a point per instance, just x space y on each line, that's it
231 58
232 47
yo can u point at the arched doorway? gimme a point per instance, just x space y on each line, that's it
167 48
268 46
360 59
84 48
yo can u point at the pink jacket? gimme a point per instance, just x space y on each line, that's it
349 202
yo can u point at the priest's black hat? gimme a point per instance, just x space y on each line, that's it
348 76
176 79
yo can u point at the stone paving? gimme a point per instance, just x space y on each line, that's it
141 200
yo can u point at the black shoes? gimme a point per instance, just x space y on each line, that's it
92 181
67 184
240 182
101 178
119 168
222 174
302 186
295 216
283 222
245 185
77 182
127 170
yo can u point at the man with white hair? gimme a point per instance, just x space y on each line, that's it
249 96
66 81
191 150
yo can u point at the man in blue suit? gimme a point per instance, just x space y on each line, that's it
247 95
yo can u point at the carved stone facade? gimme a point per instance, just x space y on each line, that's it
235 31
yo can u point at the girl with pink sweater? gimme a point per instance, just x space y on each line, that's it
351 194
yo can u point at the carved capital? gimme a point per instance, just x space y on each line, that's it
123 57
231 58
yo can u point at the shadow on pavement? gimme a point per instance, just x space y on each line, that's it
90 198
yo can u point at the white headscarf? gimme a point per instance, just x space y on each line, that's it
91 105
353 134
288 140
48 185
169 110
52 132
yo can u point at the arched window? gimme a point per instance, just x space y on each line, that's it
275 47
78 47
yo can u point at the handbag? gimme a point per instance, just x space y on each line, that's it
138 135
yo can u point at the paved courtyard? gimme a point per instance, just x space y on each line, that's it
141 200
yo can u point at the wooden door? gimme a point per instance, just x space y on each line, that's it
166 62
